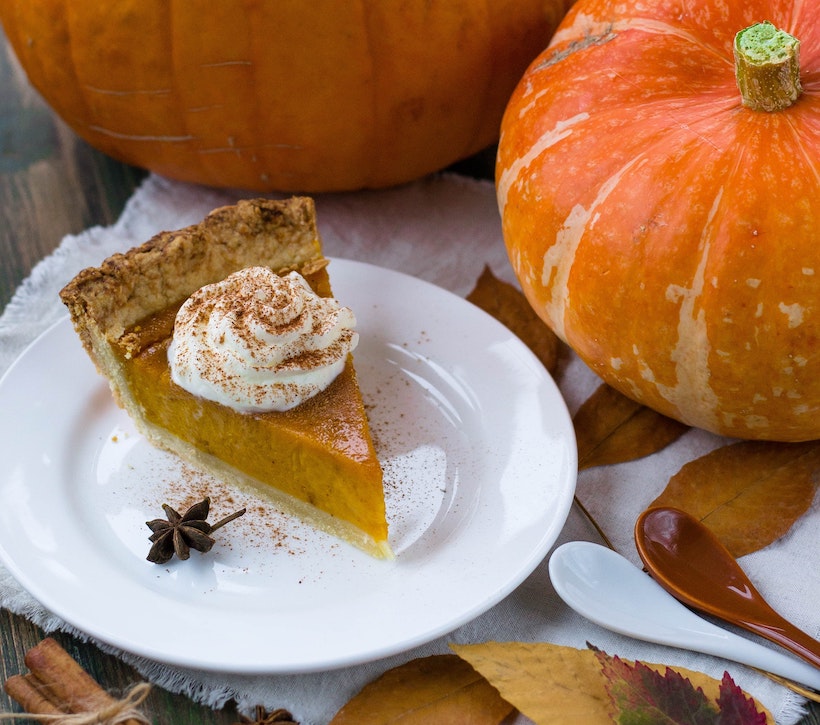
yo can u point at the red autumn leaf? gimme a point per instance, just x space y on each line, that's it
641 695
735 707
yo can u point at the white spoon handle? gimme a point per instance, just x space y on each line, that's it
607 589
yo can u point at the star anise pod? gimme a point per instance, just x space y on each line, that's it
179 534
263 717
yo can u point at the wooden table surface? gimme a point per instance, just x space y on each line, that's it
53 184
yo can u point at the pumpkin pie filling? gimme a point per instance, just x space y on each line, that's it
316 460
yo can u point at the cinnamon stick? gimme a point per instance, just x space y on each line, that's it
58 686
64 677
28 692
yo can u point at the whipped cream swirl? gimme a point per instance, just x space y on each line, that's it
260 342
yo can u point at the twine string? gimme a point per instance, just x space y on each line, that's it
117 713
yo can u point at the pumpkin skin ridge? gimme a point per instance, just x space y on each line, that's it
682 316
704 422
207 156
458 97
609 30
373 99
533 215
56 72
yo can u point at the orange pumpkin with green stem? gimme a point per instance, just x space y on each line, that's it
667 227
288 95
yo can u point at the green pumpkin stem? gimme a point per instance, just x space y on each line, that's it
767 67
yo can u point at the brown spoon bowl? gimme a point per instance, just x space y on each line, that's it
689 561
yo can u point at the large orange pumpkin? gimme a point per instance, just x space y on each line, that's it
289 95
668 232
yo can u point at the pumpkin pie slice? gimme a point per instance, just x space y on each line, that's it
315 460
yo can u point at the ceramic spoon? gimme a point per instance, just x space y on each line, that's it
687 560
609 590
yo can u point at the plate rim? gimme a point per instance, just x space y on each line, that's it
539 553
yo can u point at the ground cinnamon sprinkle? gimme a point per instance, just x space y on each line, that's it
260 341
263 526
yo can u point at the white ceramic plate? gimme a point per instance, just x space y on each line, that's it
479 459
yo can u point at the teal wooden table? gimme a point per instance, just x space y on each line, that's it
53 184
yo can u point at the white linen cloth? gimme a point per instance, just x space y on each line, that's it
444 229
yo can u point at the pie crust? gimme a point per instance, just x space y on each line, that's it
316 461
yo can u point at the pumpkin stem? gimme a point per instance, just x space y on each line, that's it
767 67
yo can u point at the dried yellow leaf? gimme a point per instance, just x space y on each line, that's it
556 685
546 682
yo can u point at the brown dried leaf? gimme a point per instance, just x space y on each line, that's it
552 684
509 306
441 689
750 493
611 428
